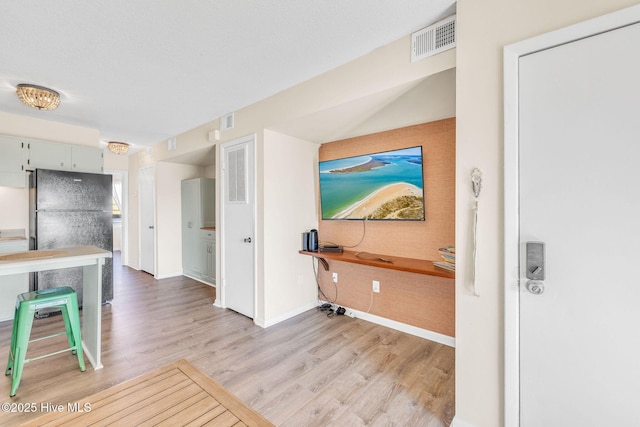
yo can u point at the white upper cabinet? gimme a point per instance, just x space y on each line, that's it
208 201
68 157
18 155
13 162
87 159
49 155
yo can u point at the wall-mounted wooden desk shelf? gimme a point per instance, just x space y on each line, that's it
410 265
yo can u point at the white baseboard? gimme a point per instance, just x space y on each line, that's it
457 422
168 275
265 323
198 280
399 326
403 327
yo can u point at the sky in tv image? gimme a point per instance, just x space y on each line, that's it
387 185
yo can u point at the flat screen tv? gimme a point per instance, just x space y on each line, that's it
379 186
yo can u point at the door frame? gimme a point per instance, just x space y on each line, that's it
220 289
512 54
124 250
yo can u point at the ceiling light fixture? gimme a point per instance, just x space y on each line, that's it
118 147
38 97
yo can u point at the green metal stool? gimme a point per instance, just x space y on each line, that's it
26 306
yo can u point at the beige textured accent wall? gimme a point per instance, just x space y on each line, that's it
411 239
418 300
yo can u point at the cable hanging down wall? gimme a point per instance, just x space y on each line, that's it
476 185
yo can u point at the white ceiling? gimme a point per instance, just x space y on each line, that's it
145 70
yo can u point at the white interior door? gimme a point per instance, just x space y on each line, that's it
147 220
238 225
579 193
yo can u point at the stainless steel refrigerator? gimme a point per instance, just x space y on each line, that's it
70 209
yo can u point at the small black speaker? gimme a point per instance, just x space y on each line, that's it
305 241
313 241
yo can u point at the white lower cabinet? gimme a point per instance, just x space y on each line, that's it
208 252
203 262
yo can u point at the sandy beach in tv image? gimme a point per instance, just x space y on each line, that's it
386 185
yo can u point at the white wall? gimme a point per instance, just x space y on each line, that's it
169 178
118 162
290 166
432 99
209 171
13 124
117 236
15 210
484 28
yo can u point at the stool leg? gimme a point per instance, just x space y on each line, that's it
12 349
25 321
74 321
67 327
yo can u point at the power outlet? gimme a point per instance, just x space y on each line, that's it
334 277
376 286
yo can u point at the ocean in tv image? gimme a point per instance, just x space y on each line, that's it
387 185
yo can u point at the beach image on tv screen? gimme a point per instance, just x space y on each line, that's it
387 185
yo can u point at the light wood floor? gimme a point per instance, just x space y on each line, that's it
311 370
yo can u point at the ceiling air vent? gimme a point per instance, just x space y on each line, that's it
434 39
226 122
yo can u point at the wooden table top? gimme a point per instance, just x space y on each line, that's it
176 394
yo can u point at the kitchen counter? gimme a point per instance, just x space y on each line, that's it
91 258
12 234
8 239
